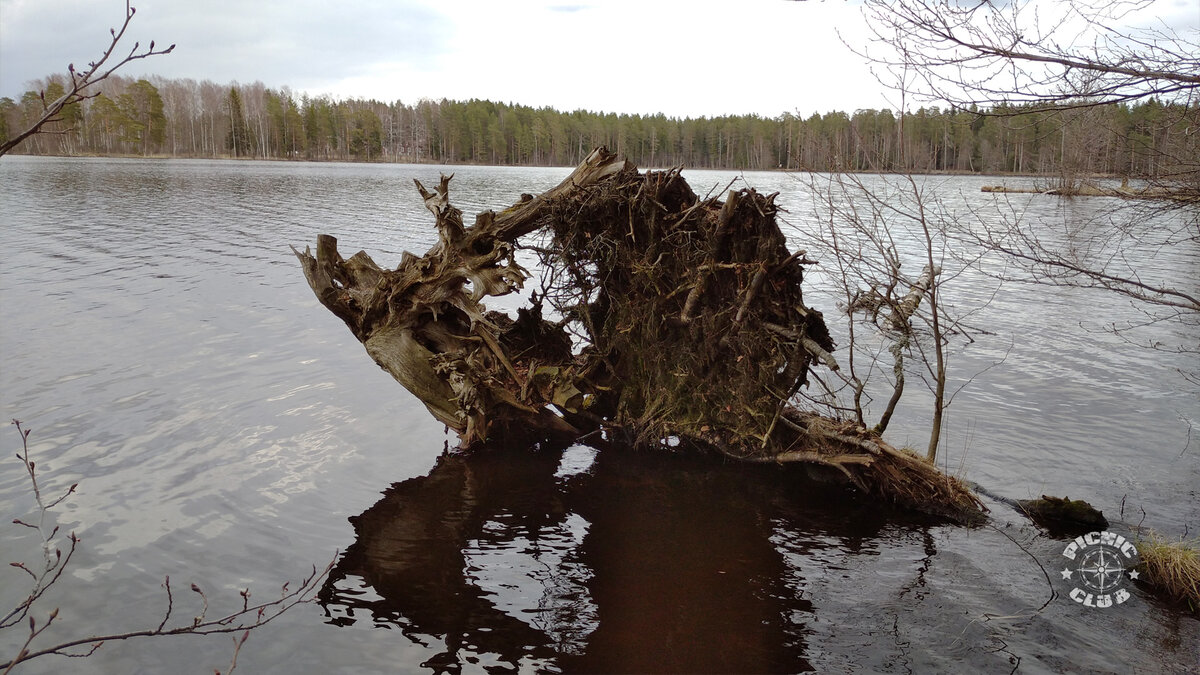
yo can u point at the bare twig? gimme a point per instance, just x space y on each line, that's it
55 562
1074 55
81 83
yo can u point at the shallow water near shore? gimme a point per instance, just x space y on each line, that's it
225 429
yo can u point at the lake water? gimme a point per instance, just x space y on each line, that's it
157 335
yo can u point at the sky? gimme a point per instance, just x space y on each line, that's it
681 58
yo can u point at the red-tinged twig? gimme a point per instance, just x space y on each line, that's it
82 82
242 621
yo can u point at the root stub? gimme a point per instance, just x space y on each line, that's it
686 313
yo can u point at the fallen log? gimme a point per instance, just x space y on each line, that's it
1180 193
674 322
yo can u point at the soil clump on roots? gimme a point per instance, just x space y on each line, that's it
669 321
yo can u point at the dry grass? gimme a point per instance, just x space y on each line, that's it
1172 566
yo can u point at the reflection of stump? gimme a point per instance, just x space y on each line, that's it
608 569
687 313
410 549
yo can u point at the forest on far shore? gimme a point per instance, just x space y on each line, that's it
158 117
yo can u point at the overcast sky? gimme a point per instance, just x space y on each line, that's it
682 58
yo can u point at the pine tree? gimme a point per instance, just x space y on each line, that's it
145 121
238 140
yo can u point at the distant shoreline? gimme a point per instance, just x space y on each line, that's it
298 160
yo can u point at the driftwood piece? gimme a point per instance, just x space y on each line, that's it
676 323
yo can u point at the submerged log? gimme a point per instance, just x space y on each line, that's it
1178 193
674 322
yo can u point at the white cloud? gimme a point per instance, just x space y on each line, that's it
680 58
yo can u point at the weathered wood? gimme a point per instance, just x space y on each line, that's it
904 310
424 323
714 368
755 284
399 353
811 346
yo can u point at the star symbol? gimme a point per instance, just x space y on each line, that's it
1066 574
1133 574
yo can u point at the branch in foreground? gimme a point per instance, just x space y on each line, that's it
82 82
241 621
55 562
1079 54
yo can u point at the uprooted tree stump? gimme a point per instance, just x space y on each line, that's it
674 321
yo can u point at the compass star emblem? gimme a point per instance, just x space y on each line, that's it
1101 563
1101 569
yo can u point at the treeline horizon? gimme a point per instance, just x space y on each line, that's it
159 117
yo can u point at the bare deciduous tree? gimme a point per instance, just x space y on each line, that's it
1061 57
885 251
1064 54
1008 58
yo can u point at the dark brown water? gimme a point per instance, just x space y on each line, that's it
157 335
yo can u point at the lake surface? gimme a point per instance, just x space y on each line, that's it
158 336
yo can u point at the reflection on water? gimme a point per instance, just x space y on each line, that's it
590 561
606 561
159 338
